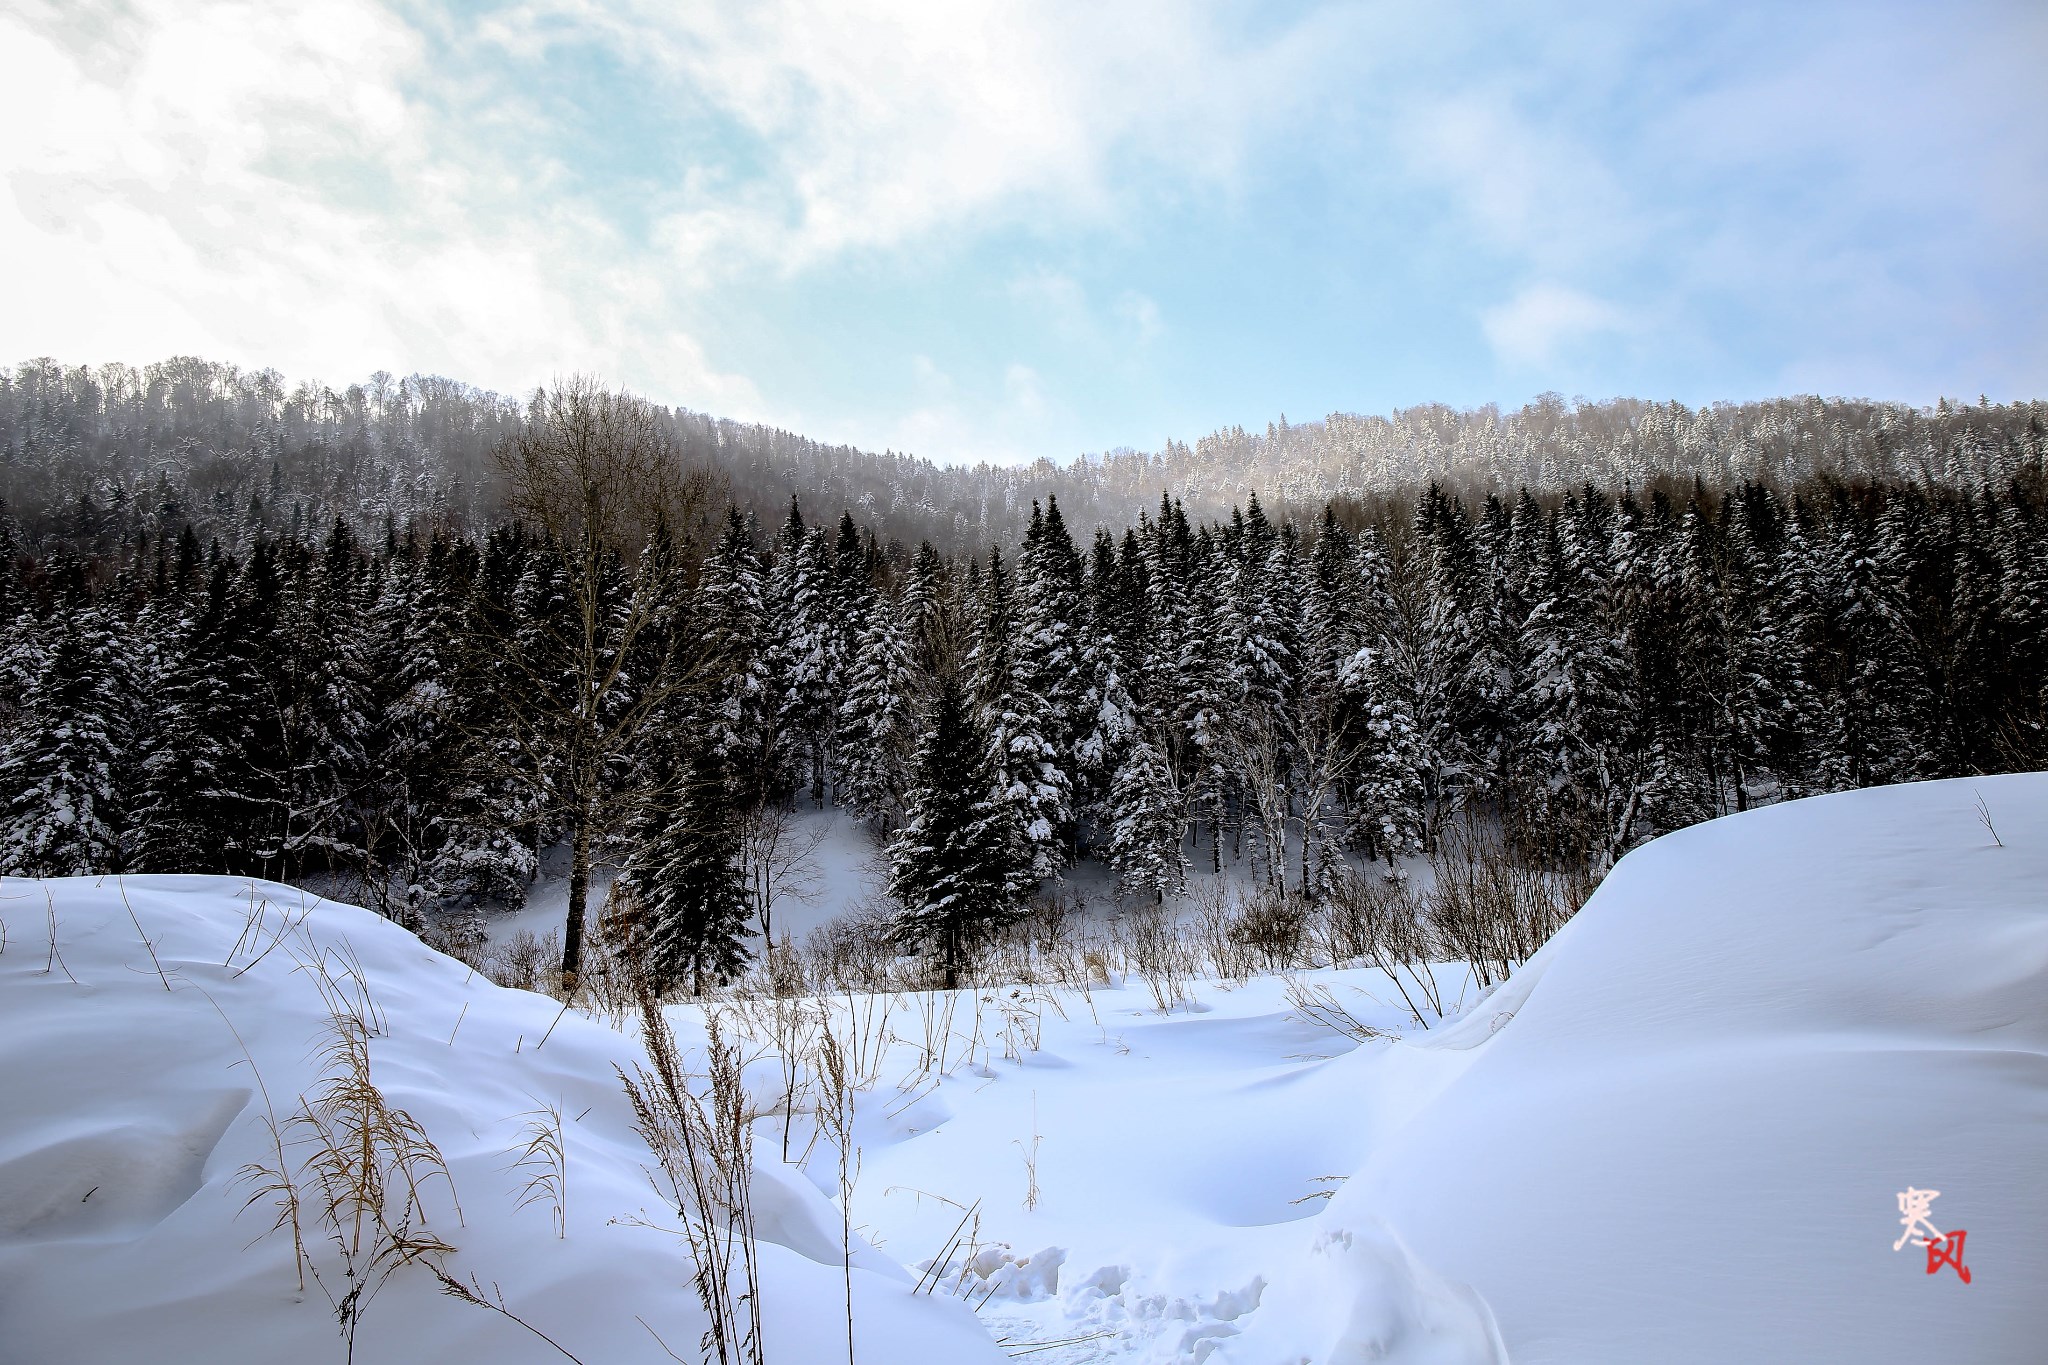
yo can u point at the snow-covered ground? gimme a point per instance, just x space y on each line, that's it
127 1111
1678 1134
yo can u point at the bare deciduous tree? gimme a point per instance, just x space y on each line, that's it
777 855
598 476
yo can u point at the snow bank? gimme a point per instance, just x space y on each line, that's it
127 1109
1687 1141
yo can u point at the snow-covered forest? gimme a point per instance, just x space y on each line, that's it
90 455
415 705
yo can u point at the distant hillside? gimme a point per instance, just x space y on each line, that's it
87 453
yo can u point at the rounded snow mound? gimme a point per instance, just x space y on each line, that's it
1682 1133
153 1029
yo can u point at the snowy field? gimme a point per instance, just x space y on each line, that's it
1678 1134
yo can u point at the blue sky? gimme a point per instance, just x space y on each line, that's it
1012 230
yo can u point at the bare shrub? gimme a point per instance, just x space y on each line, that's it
460 936
1272 928
1160 952
1213 925
856 950
1488 907
1373 918
521 962
1315 1003
782 969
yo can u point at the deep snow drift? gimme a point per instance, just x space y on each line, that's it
1678 1134
129 1109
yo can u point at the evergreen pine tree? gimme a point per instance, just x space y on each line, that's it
1386 794
874 715
59 771
1574 704
737 689
685 879
1029 791
804 606
1147 823
950 863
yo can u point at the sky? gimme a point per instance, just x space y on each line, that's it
1010 229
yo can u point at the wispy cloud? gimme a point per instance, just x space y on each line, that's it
257 183
1540 322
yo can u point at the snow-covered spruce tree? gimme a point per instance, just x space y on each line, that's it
875 715
925 614
1200 688
684 879
321 684
21 634
1050 662
1160 640
211 790
1385 781
60 770
1111 724
257 811
1765 606
1650 752
1867 695
1513 540
1028 788
1265 594
415 748
1147 823
2020 544
1459 686
482 806
736 688
1969 677
857 575
1333 607
954 865
1574 704
804 607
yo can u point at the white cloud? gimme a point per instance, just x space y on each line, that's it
1526 186
1543 321
1142 315
253 183
1023 392
1055 296
886 123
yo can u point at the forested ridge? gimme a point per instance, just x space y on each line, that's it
419 697
92 454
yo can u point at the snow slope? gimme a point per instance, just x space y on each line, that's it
1688 1143
1677 1135
126 1110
